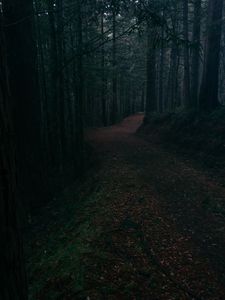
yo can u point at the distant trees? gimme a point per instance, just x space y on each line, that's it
73 65
77 65
184 83
91 63
85 73
84 63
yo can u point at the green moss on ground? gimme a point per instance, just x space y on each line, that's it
59 242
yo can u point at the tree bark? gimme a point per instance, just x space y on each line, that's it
13 282
151 97
60 85
196 54
45 122
208 98
187 96
53 63
103 83
161 71
114 64
22 65
80 91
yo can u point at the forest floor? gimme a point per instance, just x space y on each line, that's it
146 224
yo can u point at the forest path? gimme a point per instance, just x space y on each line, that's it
162 222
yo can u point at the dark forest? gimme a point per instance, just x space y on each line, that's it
112 149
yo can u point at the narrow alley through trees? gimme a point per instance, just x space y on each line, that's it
147 230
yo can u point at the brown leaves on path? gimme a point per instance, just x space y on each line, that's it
152 218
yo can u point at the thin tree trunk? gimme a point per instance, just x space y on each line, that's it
114 63
73 100
60 86
80 92
161 72
187 96
54 132
45 109
151 97
196 54
172 78
103 83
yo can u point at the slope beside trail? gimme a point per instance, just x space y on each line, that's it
164 229
146 224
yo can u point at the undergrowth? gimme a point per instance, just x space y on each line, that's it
59 243
200 134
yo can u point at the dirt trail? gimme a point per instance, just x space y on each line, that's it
163 222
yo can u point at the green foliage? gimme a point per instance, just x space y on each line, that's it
198 133
56 256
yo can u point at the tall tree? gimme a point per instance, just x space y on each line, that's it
80 89
114 65
53 64
151 95
187 96
195 65
60 84
171 100
161 69
208 99
21 51
45 122
13 282
103 79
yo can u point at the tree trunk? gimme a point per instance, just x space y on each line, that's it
13 282
73 100
80 91
172 78
53 59
208 98
60 85
196 54
114 63
187 96
151 97
43 85
161 72
103 83
21 50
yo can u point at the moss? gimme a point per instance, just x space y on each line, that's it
56 256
